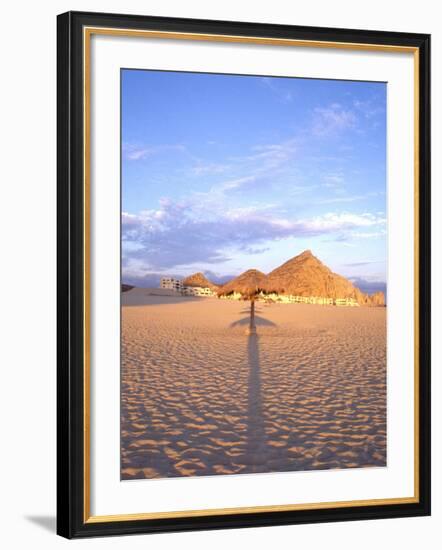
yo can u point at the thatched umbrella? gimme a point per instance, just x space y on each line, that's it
249 284
306 275
199 279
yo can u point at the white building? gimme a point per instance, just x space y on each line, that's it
232 296
170 283
319 300
197 291
347 302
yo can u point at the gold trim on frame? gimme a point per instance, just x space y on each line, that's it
253 509
87 33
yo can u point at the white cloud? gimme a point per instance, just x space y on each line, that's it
333 180
332 119
266 158
204 169
338 222
370 235
237 183
178 234
137 152
272 83
369 108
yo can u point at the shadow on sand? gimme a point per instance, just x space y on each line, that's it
256 438
259 321
256 444
151 299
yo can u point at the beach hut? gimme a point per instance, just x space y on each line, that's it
249 284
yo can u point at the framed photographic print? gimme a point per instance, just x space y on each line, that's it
243 274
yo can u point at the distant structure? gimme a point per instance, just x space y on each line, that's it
197 291
293 299
303 279
346 302
170 283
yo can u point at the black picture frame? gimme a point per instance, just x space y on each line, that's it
71 395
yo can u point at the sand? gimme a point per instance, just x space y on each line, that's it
199 397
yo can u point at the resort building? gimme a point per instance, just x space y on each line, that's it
318 300
197 291
170 283
348 302
232 296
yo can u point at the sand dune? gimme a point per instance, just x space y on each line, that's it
199 397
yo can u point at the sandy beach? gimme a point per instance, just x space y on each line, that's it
200 397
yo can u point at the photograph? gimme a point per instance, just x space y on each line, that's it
243 273
254 259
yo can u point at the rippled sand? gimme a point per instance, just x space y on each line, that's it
199 397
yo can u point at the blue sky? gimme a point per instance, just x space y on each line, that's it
222 173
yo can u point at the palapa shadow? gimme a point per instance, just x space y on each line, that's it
255 452
255 447
259 321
